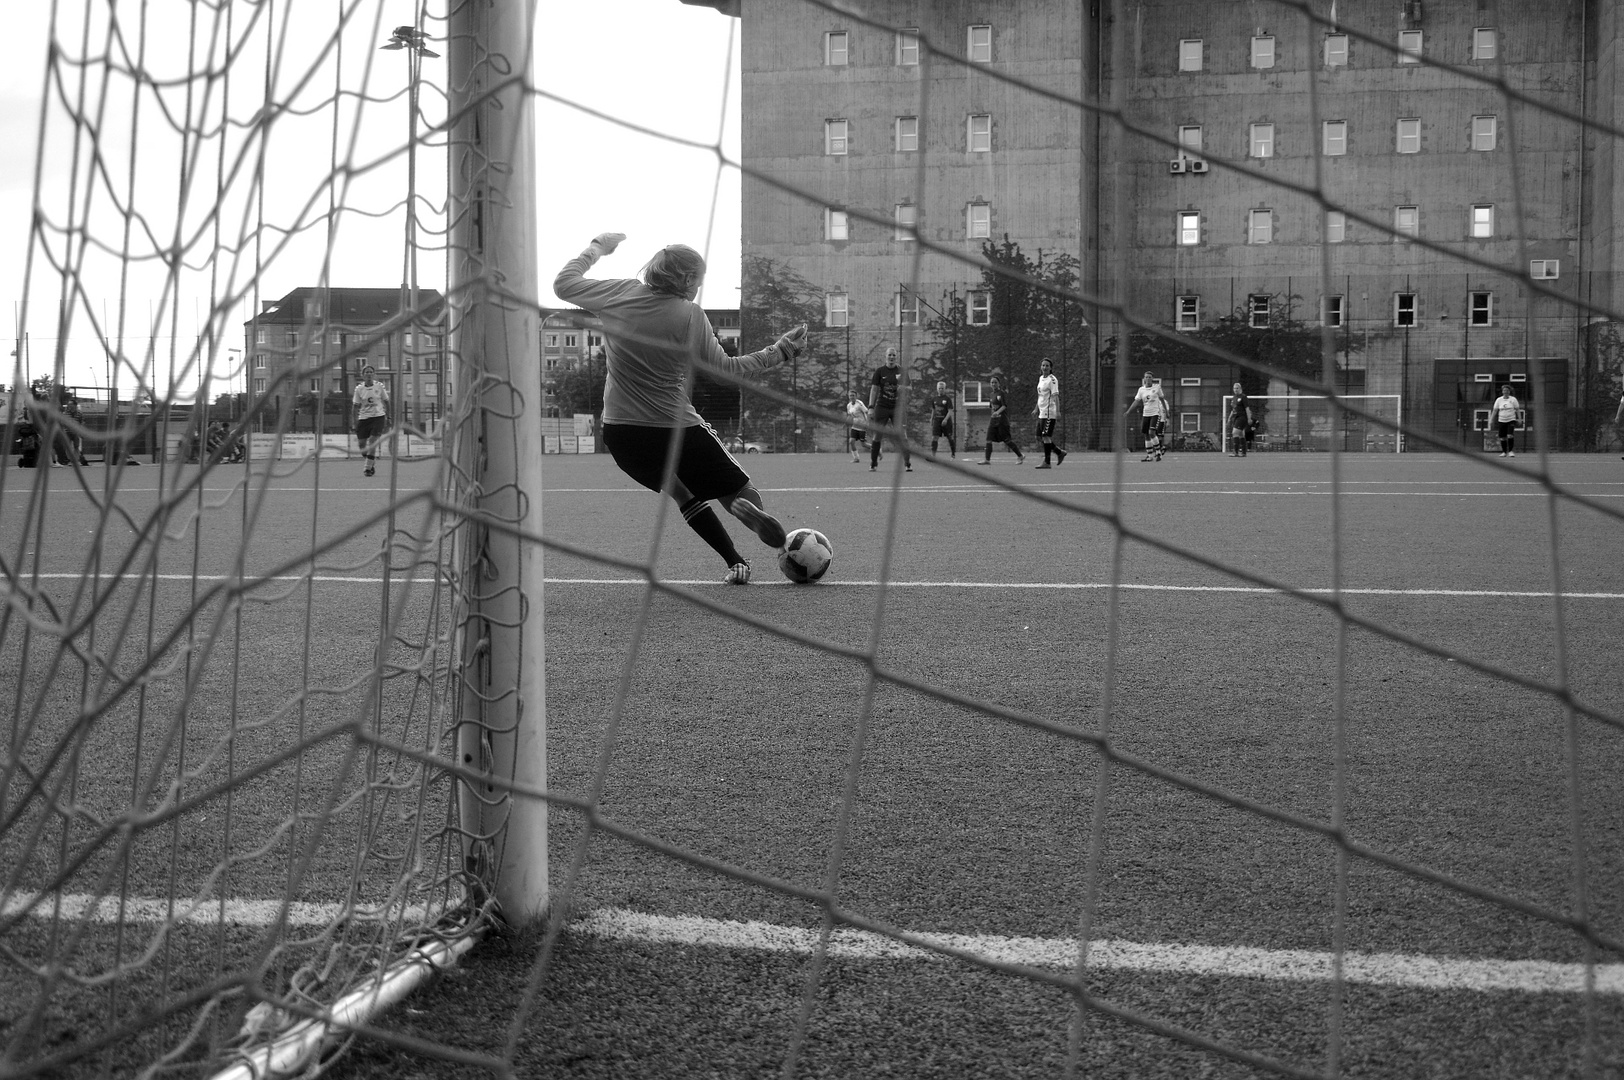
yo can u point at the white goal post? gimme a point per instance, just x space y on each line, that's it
1312 421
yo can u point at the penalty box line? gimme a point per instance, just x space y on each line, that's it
1399 970
1061 586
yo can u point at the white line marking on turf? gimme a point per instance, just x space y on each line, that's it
1291 965
1062 586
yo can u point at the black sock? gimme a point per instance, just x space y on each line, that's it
952 450
703 520
989 451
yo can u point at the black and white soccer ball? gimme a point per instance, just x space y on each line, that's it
806 556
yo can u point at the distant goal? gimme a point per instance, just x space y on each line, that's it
1314 422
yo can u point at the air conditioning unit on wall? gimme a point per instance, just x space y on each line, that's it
1176 165
1198 166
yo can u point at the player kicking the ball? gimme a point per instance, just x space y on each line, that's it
1154 409
653 334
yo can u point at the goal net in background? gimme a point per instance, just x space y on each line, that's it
250 692
1370 423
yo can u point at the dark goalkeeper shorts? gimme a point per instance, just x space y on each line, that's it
704 466
941 427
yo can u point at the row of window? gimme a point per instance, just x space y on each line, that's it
262 385
977 222
1480 310
1260 225
1335 49
1261 142
260 362
837 135
905 46
292 337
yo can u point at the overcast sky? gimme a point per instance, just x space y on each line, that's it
658 64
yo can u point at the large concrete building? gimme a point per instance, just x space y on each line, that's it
1468 238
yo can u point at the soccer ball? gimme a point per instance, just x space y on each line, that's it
806 556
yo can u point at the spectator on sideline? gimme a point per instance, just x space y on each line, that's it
1240 422
1504 414
856 417
998 425
941 420
653 335
884 399
371 415
1048 411
1153 408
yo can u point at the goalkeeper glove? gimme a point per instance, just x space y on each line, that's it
604 244
792 342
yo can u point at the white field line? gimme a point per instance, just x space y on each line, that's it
1314 489
1287 965
1060 586
83 907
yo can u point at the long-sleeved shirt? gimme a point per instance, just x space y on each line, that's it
650 341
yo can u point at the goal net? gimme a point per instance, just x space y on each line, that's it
1361 423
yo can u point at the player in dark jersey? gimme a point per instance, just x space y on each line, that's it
1240 422
941 420
998 425
884 402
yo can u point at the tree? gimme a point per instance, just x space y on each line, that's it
1601 380
775 299
1031 316
580 389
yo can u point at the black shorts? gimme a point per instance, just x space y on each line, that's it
998 430
1152 425
1508 428
859 435
704 466
1046 428
370 429
941 426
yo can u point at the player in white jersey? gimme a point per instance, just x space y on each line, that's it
856 417
1048 411
371 400
1154 409
1504 414
654 334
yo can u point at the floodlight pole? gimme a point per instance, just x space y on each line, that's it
501 731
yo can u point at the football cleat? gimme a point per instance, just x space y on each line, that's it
738 574
758 521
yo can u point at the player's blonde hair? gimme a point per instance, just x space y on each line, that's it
675 269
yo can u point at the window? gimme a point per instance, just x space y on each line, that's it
259 386
259 360
1188 313
1190 421
552 341
1482 310
1409 46
834 48
1263 52
1259 226
1482 221
907 134
338 338
978 220
1331 310
1189 227
1262 140
907 309
1485 132
406 364
259 335
315 386
312 309
836 226
981 309
1336 50
1189 381
834 309
979 45
1409 136
907 216
1190 138
1190 54
1484 43
834 136
1336 226
975 392
978 133
571 341
1257 311
1334 142
1404 309
908 47
1545 269
290 338
1407 220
